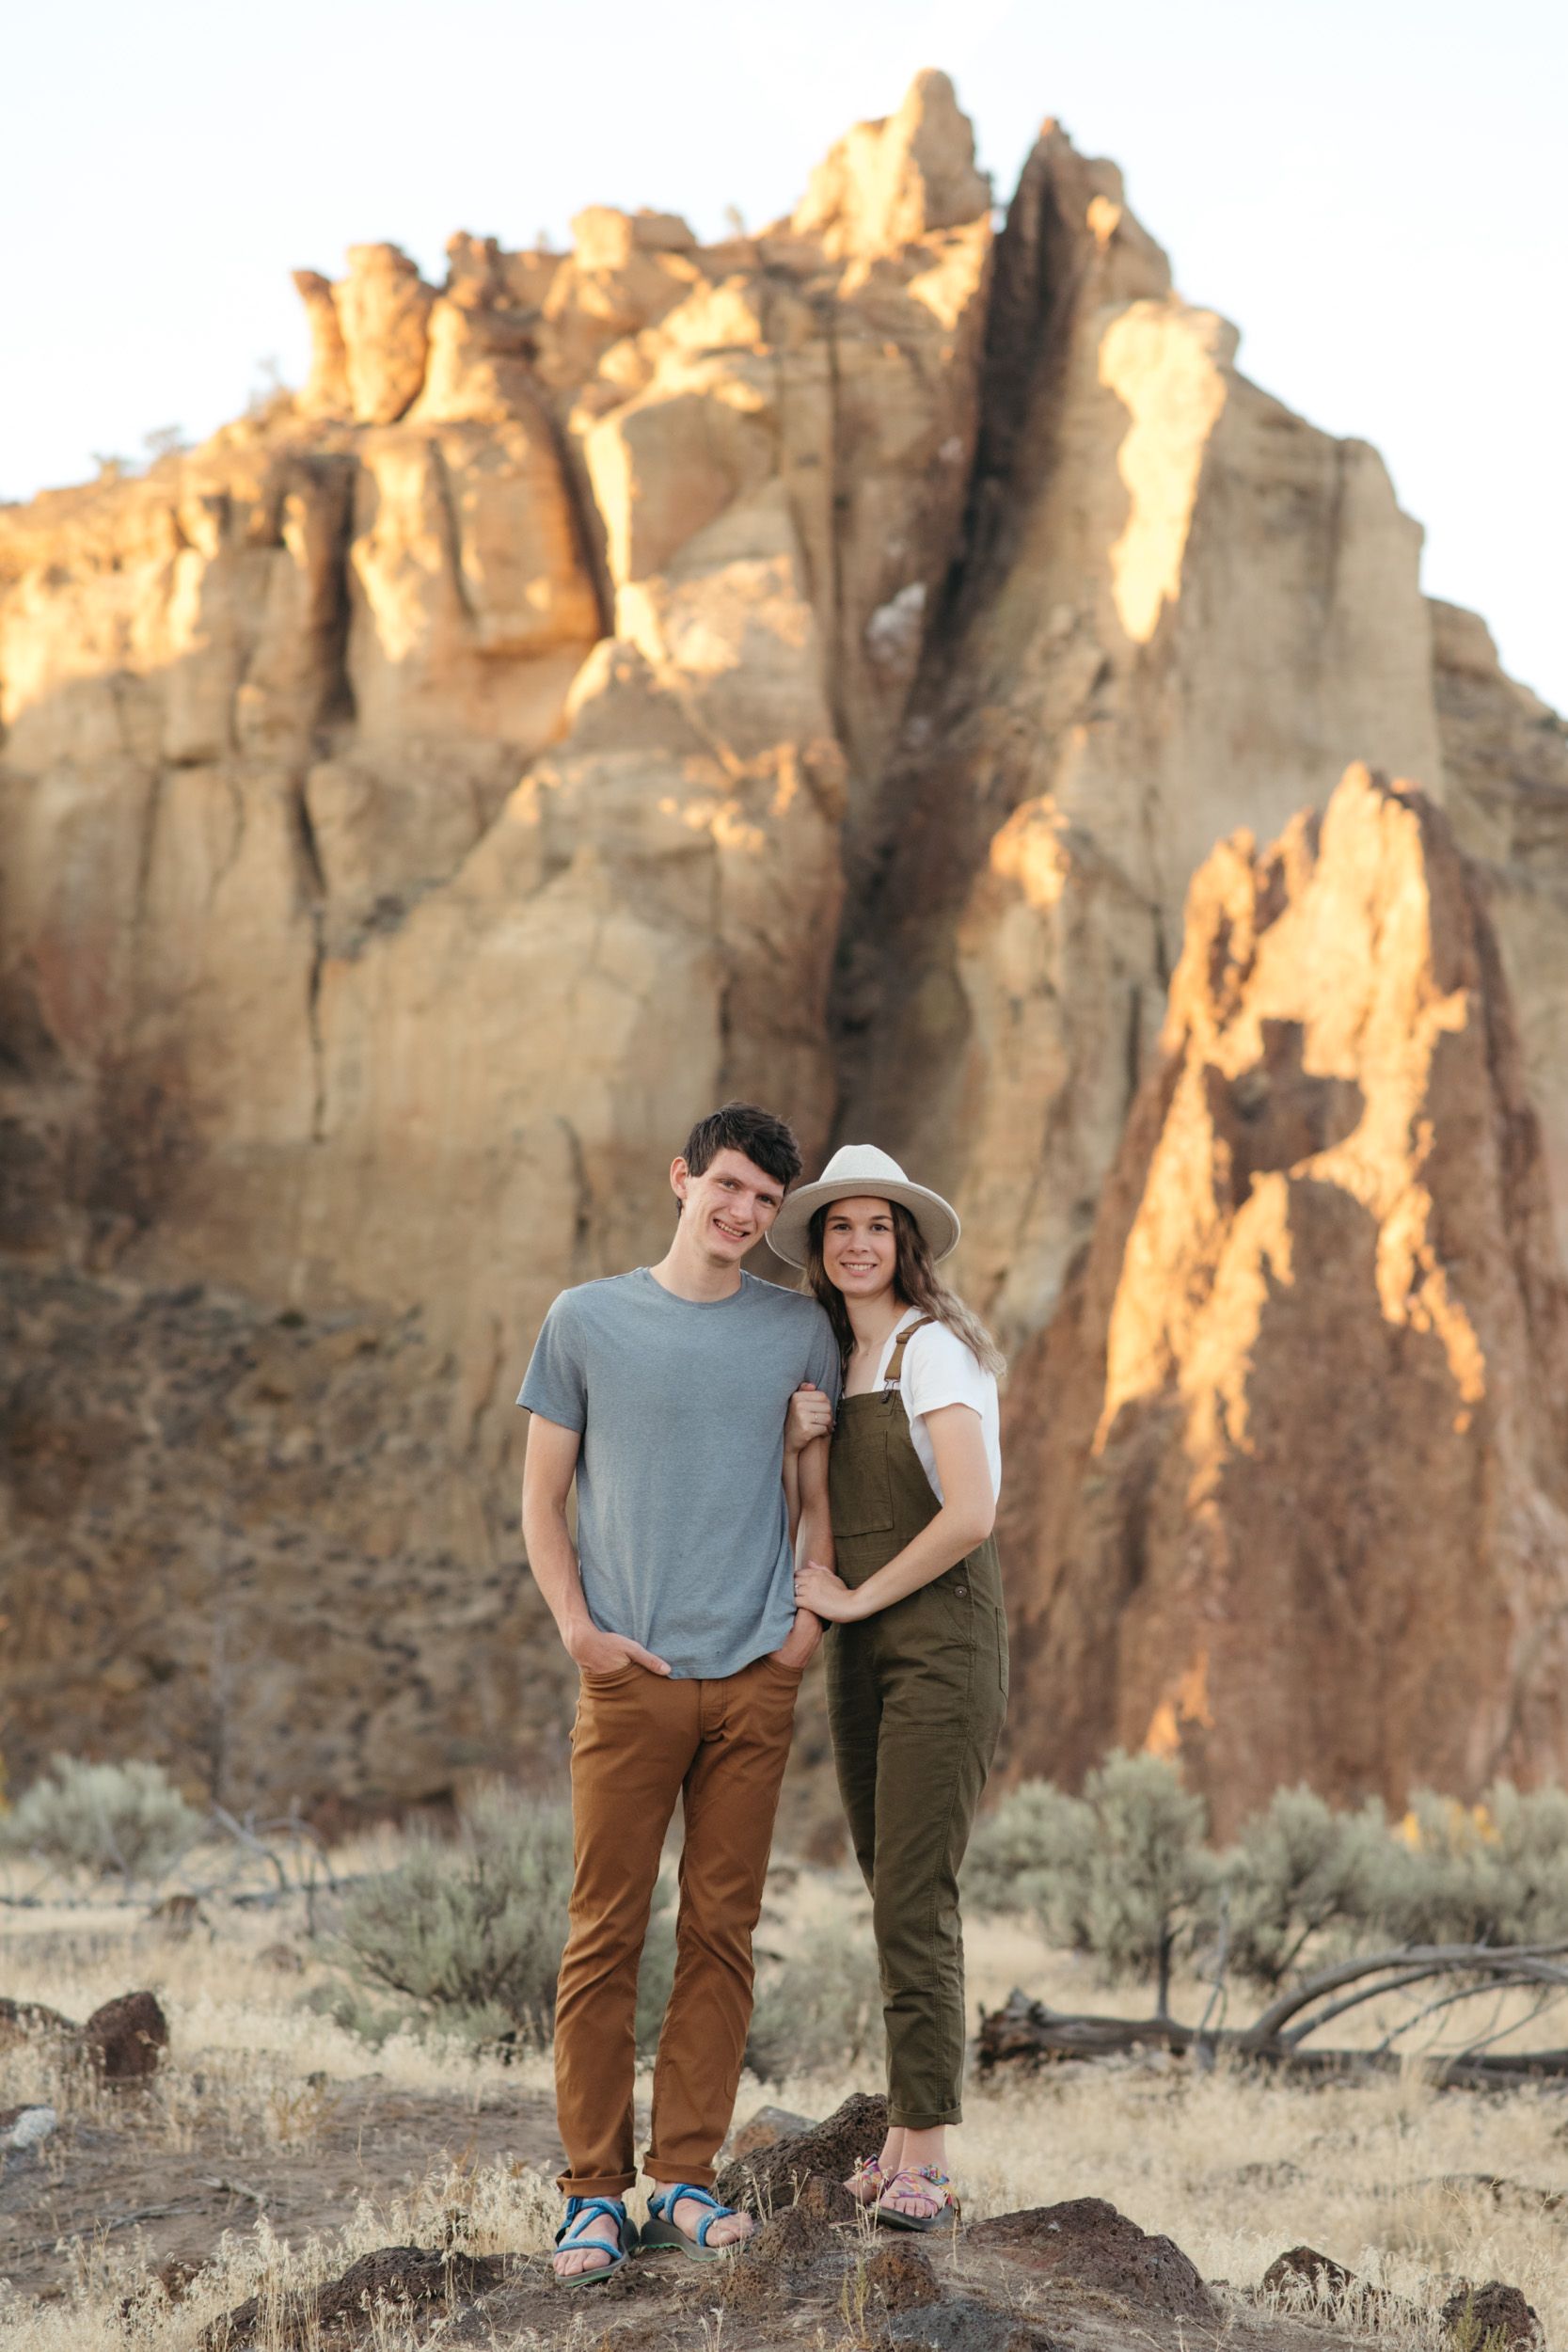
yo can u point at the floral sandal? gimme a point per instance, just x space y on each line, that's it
925 2182
866 2182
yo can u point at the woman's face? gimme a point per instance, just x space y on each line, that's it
860 1249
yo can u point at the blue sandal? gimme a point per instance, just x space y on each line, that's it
625 2240
661 2229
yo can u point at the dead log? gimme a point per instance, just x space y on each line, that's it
1028 2033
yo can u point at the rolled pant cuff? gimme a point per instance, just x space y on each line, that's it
923 2120
600 2185
674 2176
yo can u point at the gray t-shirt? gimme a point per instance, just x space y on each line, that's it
683 1531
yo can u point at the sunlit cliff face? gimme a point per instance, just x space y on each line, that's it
812 667
1286 1414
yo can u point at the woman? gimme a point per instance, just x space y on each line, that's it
917 1657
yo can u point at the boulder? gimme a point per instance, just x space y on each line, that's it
899 2277
1494 2314
773 2176
780 2253
1088 2242
1301 2269
127 2037
25 2128
402 2277
765 2128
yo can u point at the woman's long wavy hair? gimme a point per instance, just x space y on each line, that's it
916 1281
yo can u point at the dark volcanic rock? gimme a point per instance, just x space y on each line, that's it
774 2176
966 2325
766 2128
1088 2242
826 2197
899 2277
1474 2315
343 2311
775 2257
1304 2277
1306 2267
126 2038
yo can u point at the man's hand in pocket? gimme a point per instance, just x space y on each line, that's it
599 1653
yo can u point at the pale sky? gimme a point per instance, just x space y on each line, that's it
1376 191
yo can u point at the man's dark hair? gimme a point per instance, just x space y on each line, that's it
766 1141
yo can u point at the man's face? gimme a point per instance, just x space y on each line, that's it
727 1209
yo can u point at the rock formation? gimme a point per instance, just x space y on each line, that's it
1290 1492
812 665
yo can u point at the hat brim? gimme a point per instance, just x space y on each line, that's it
789 1235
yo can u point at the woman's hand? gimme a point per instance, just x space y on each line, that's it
810 1416
825 1595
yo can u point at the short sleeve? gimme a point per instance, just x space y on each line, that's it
940 1369
825 1369
556 1383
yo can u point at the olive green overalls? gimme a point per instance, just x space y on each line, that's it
916 1696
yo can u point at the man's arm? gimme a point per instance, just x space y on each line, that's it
549 1465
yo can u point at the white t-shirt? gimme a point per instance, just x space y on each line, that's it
940 1369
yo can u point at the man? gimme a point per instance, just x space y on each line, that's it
664 1393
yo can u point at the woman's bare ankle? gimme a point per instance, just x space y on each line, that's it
925 2147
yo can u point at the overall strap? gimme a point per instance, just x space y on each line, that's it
896 1361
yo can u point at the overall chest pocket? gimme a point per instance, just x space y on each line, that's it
860 1477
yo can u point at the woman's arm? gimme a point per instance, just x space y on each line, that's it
811 1532
966 1517
813 1538
792 1494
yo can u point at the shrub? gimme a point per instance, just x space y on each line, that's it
1120 1872
816 2009
1035 1832
467 1933
1298 1869
124 1819
1492 1873
1146 1872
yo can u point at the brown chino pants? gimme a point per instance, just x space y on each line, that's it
641 1741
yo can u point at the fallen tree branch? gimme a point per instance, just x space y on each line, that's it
1027 2032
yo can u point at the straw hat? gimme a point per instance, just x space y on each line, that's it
861 1171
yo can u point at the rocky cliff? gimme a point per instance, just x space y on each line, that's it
1290 1491
813 666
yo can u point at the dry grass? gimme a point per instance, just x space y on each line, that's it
1233 2167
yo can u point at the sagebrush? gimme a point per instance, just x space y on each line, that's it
1124 1873
467 1932
125 1820
818 2008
